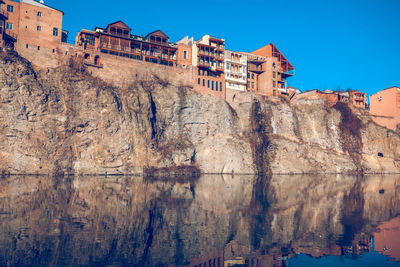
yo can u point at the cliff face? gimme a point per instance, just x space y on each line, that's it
64 120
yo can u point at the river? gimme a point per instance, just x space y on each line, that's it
213 220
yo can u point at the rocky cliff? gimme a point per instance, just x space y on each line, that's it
64 120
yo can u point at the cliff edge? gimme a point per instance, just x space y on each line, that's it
64 120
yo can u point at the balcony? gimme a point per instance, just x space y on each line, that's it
287 73
10 34
204 64
3 14
256 69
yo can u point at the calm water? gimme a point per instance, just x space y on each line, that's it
210 221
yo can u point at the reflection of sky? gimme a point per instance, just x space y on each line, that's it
385 251
368 259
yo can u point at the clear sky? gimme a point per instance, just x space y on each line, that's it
331 43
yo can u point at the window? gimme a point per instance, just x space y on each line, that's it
212 85
273 84
252 75
185 54
39 14
9 26
204 82
27 46
54 50
199 72
208 83
39 28
38 48
10 9
55 32
216 86
89 39
248 75
220 86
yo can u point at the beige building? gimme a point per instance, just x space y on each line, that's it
235 74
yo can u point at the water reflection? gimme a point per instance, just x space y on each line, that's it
213 220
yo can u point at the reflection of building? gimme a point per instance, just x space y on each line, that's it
387 238
385 107
216 260
116 39
208 64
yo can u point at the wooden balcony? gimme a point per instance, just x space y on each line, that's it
287 73
3 14
10 34
254 68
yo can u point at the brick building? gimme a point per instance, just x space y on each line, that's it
270 70
184 57
208 66
385 107
32 26
116 39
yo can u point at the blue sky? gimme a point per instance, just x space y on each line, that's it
331 43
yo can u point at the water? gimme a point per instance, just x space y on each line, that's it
213 220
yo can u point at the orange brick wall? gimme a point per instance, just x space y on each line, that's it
203 83
181 60
13 17
389 104
385 107
123 71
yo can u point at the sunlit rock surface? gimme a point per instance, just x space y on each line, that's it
65 121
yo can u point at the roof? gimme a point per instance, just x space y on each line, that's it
158 31
120 22
36 3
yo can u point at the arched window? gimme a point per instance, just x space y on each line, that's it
97 60
87 56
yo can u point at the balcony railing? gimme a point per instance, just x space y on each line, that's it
4 14
287 73
139 52
10 33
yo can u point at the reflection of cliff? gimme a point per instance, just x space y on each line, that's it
128 221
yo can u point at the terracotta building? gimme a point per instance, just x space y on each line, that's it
271 70
387 241
208 66
235 74
116 39
385 107
184 58
32 26
3 19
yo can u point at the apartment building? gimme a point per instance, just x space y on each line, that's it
184 57
357 99
270 70
385 107
32 26
208 66
3 19
116 39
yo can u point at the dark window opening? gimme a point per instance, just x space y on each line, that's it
380 155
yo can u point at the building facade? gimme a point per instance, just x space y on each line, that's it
184 57
235 75
116 39
271 70
385 107
208 66
32 26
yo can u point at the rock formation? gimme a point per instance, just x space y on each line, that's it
64 120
